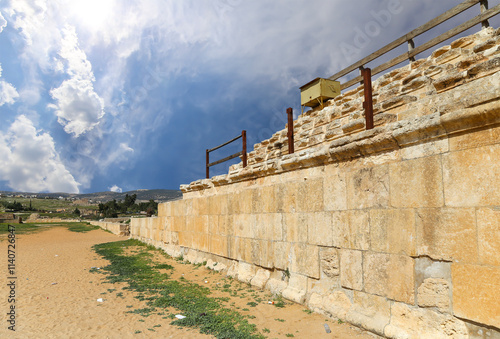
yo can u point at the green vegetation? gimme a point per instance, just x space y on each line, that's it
112 208
163 295
26 228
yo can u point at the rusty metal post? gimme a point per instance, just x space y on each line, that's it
291 141
244 151
368 103
208 168
484 8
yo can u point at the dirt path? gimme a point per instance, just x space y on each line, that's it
56 296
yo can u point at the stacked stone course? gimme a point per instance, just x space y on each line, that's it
394 229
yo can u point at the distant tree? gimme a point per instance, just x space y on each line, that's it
76 211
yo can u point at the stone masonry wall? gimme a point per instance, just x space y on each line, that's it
395 229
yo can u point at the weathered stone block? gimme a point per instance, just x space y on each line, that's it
415 323
287 195
351 269
447 234
310 196
282 255
434 293
261 278
218 245
246 272
340 229
319 228
200 224
425 150
476 292
178 224
334 189
488 232
370 311
483 137
337 304
329 262
275 286
472 177
393 231
416 183
268 226
368 188
389 275
244 225
305 260
264 200
296 289
295 227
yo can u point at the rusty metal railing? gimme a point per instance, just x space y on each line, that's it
243 152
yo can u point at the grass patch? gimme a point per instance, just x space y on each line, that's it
21 228
160 293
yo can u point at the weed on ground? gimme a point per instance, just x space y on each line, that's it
166 296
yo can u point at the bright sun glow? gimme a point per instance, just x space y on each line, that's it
93 14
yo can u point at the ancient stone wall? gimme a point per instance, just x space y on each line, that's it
394 229
117 228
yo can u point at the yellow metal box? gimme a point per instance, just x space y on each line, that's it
315 92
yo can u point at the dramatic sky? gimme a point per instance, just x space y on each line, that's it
118 95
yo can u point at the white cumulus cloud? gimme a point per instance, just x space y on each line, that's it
78 107
8 93
30 162
116 189
3 23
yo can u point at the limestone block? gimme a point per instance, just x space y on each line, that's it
246 272
305 260
296 289
232 271
358 235
389 275
334 189
264 200
416 183
186 239
310 195
179 224
213 224
434 293
447 234
295 227
201 241
475 139
329 262
244 225
218 245
200 206
351 269
225 224
286 195
476 292
393 231
370 312
319 228
368 188
488 231
472 177
315 302
268 226
261 278
425 150
337 304
200 224
340 229
417 323
282 255
276 286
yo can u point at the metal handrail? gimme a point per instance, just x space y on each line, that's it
408 38
242 153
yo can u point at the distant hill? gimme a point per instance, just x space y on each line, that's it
158 195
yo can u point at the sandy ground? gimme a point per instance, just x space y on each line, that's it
56 296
